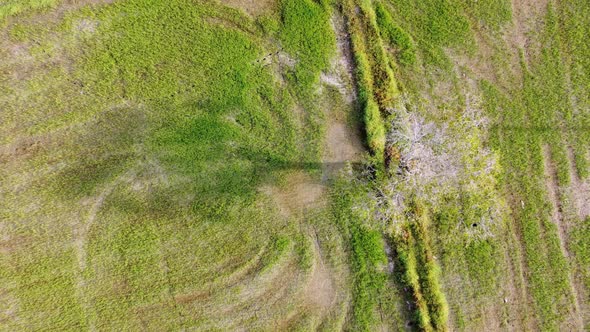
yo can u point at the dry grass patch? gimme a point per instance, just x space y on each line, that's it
526 19
252 7
298 193
579 189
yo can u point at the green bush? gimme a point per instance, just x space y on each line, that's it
421 272
375 128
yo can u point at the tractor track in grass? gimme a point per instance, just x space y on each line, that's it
80 239
557 217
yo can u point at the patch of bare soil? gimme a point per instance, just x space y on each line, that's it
579 190
320 292
252 7
481 65
343 143
298 194
335 81
526 20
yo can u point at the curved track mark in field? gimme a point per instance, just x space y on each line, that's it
81 231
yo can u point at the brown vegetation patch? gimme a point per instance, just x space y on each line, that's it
192 297
526 19
579 189
121 287
299 193
252 7
481 65
22 148
9 244
320 292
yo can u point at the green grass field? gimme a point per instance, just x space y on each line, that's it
277 165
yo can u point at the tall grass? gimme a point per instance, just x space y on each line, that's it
308 36
420 271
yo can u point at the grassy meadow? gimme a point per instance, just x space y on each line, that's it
277 165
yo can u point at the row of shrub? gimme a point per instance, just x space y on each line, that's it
420 272
376 85
385 86
378 94
373 121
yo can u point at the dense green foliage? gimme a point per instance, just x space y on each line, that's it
545 109
581 249
541 244
307 35
373 120
211 102
574 20
433 25
491 14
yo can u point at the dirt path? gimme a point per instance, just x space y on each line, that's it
301 192
320 291
343 141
